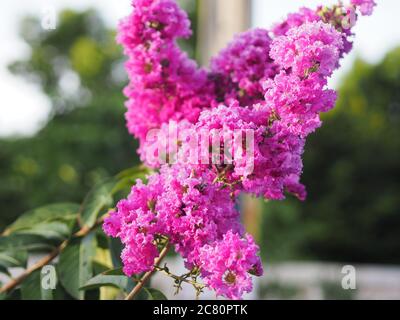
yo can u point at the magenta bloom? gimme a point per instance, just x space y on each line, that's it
312 47
164 83
270 87
243 66
227 265
294 20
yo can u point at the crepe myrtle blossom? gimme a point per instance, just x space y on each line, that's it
185 143
229 263
269 85
182 205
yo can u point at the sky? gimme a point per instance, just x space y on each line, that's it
24 109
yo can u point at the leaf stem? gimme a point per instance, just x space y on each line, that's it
147 275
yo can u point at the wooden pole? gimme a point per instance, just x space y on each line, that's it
219 21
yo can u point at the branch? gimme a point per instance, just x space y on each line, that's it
47 259
147 275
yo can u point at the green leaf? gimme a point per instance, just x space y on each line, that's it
13 295
133 173
101 280
128 178
98 199
26 242
14 248
119 282
53 231
102 239
3 269
75 267
32 289
99 267
12 259
115 251
64 212
111 278
154 294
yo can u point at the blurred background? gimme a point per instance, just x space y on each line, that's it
62 129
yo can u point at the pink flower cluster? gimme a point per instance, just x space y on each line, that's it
241 68
272 84
165 84
177 204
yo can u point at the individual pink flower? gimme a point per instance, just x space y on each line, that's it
227 265
138 255
134 222
296 19
312 47
112 224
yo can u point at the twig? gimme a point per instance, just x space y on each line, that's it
47 259
184 279
147 275
179 278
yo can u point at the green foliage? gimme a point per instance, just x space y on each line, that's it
190 45
15 247
352 173
154 294
113 278
101 196
37 230
55 216
31 289
84 266
98 198
334 291
277 290
76 264
9 257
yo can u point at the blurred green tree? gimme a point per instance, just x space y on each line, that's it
352 172
79 67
